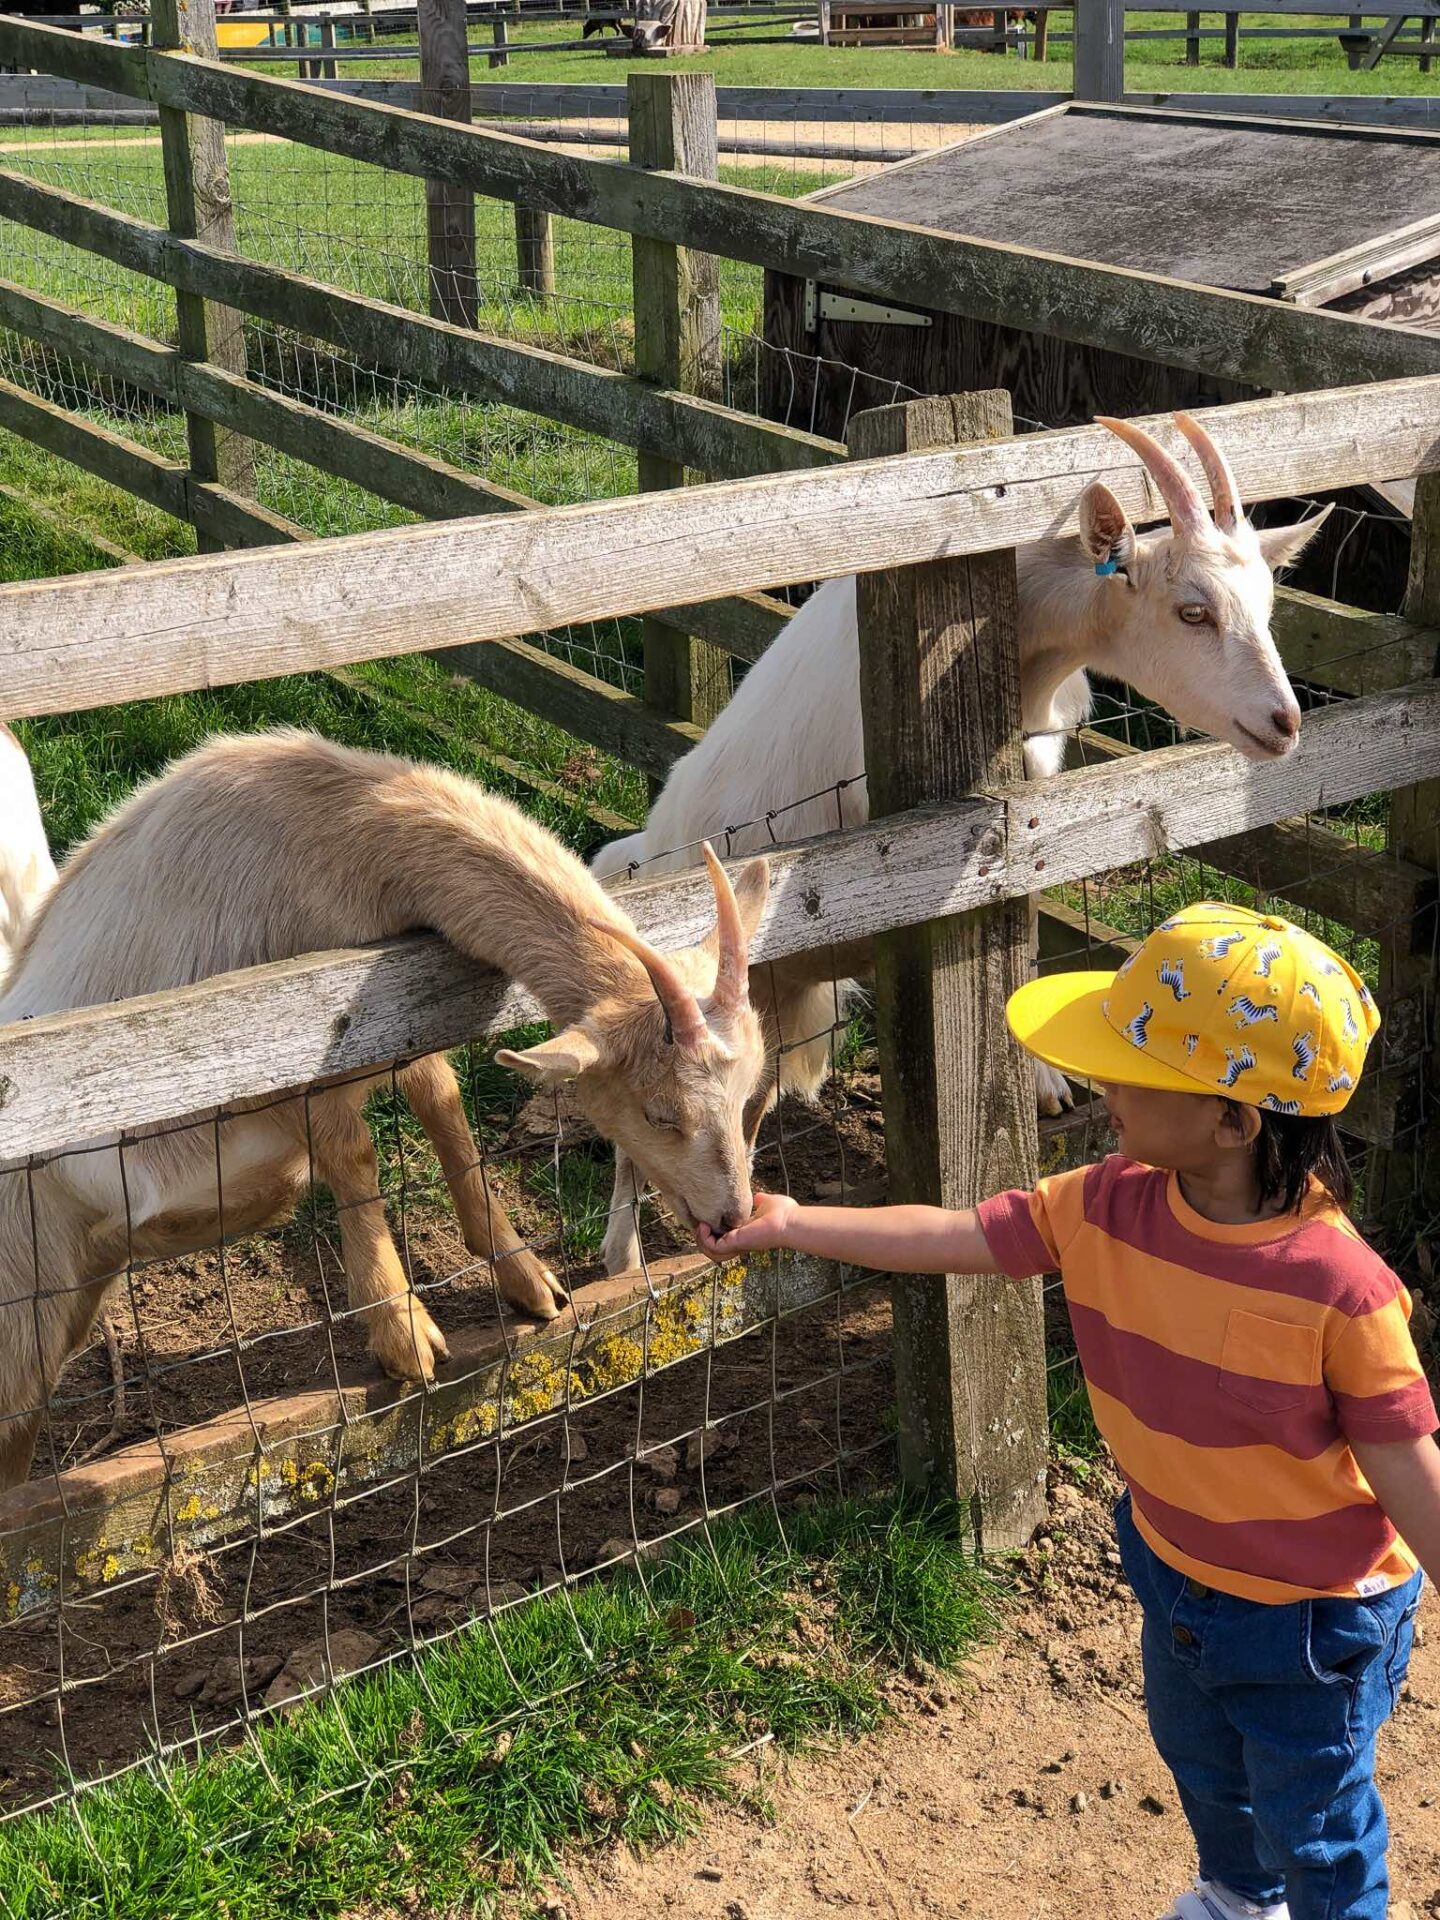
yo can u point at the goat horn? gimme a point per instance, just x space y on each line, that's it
682 1009
732 972
1228 511
1177 489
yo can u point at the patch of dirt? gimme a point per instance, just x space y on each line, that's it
192 1652
1022 1788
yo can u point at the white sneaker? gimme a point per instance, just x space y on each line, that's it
1210 1901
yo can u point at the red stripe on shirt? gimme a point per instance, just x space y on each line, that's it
1171 1393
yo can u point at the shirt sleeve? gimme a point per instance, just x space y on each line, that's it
1027 1232
1374 1373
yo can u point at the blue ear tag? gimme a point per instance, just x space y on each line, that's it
1108 566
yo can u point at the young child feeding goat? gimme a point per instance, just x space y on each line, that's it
1249 1362
260 848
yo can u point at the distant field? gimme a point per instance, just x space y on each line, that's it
1267 65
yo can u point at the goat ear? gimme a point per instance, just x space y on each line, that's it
1283 546
1105 529
561 1058
752 890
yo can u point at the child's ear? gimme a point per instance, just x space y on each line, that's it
1239 1124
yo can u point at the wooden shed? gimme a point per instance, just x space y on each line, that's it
1339 216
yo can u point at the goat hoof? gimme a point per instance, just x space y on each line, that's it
1052 1090
406 1341
532 1290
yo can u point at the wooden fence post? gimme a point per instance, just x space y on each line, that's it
535 249
1232 40
1405 1182
198 204
673 125
1099 49
940 688
1192 39
500 34
449 209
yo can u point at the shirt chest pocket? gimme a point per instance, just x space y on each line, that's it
1270 1366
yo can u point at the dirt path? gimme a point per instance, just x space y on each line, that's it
966 1804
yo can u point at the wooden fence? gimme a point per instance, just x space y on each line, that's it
803 508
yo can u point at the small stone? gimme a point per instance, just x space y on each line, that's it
709 1873
1112 1558
189 1684
666 1500
1078 1802
350 1649
662 1462
1152 1803
1427 1800
579 1446
1112 1789
1067 1499
614 1549
701 1447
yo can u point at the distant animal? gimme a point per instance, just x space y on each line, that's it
606 23
263 847
1184 617
27 872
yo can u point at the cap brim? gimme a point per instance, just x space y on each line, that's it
1058 1019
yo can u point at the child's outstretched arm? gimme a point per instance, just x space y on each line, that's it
889 1239
1404 1476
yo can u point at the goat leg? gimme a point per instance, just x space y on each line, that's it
523 1280
111 1337
403 1338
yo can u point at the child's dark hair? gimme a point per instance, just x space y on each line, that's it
1292 1146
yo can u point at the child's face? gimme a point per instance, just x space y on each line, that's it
1176 1130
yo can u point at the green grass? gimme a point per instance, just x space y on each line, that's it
429 1786
1267 65
1074 1438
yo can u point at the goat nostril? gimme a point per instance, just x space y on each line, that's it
1286 721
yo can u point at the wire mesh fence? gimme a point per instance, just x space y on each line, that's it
274 1519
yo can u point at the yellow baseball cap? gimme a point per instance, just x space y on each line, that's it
1218 1000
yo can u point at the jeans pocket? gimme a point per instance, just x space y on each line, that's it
1342 1640
1397 1659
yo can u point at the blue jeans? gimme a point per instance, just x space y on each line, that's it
1267 1716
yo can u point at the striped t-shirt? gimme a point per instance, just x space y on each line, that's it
1229 1368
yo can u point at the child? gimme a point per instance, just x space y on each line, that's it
1250 1365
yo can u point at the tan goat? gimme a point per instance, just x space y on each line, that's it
259 848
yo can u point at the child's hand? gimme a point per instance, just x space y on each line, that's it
767 1227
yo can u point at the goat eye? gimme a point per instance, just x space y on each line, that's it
661 1121
1194 615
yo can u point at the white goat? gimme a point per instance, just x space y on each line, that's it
260 848
1181 614
27 872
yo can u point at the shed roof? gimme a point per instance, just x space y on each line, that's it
1221 200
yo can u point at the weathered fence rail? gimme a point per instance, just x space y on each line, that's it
116 636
